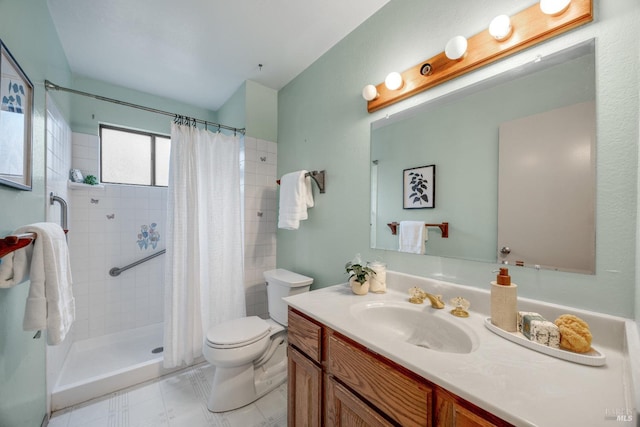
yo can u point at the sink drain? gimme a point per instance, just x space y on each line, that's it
157 350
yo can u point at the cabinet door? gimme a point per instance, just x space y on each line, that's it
451 411
305 391
343 409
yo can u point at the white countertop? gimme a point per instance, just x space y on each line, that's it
521 386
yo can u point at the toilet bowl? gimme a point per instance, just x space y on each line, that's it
249 354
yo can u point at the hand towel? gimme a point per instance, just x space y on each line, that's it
50 304
411 237
14 267
296 196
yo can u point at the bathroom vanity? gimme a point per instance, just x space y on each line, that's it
362 360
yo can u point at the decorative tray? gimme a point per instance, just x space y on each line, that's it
591 358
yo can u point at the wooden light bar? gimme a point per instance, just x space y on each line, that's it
530 27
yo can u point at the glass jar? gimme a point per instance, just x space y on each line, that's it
378 281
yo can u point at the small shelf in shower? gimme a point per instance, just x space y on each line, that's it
80 186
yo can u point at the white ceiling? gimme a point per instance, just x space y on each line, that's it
201 51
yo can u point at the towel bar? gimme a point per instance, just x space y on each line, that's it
13 243
444 227
318 177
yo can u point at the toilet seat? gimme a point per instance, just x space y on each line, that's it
237 332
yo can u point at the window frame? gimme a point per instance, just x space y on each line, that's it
152 136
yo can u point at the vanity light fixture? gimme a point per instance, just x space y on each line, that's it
500 27
554 7
426 69
525 29
393 81
456 48
369 92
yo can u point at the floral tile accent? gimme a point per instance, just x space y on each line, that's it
148 236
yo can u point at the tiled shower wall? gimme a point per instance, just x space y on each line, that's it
58 164
115 225
260 203
108 225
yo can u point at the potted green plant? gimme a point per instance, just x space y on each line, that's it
358 276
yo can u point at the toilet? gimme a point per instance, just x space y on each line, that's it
250 354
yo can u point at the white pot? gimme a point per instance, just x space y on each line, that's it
357 288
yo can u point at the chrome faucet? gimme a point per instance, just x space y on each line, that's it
417 296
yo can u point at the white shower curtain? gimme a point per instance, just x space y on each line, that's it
204 282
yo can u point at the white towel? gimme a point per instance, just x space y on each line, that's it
296 196
412 236
50 304
14 267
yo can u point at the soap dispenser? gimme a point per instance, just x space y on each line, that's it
504 302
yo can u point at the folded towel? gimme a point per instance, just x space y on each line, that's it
14 267
411 237
50 304
296 196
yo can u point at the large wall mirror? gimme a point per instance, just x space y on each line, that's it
515 162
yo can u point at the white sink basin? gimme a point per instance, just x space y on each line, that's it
419 325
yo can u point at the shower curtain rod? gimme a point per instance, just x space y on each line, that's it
52 86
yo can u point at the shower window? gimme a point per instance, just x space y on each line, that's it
134 157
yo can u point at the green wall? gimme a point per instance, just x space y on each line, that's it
262 112
88 113
255 108
233 112
323 124
27 30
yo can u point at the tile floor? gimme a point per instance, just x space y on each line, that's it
177 400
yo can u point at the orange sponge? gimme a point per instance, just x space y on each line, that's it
574 333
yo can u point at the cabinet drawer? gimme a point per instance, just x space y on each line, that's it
405 400
305 335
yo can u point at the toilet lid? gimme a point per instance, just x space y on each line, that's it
237 332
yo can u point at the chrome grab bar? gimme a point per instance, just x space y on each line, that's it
115 271
63 209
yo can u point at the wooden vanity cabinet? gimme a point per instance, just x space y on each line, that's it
335 381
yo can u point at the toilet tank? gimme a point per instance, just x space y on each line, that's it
282 283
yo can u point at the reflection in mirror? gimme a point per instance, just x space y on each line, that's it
460 133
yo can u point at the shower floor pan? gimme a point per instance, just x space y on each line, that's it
99 366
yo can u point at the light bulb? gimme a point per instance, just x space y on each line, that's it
393 81
554 7
456 47
500 27
369 93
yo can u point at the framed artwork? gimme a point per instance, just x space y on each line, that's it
419 188
16 112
